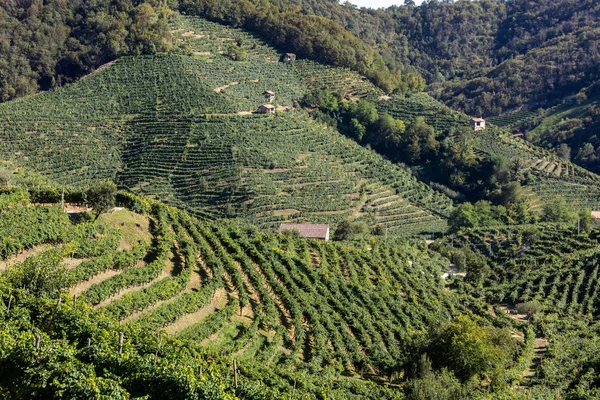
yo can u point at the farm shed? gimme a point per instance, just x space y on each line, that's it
289 57
478 124
311 231
266 109
269 96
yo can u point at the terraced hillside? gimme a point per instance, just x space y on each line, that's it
549 174
549 264
181 128
280 305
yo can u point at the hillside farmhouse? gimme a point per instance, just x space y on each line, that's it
289 57
478 124
310 231
266 109
269 96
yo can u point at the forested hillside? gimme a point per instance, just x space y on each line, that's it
484 57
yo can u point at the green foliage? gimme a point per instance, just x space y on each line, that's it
471 350
308 36
101 197
530 308
237 53
41 274
347 230
557 210
25 227
46 44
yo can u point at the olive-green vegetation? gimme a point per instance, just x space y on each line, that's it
166 317
308 36
181 128
441 148
45 44
484 57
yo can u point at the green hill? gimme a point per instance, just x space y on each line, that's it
179 127
549 174
302 317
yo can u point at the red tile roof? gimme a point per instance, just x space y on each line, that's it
317 231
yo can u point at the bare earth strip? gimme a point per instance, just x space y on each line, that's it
122 293
21 257
219 301
85 285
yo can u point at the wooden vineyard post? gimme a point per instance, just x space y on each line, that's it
158 348
294 390
89 342
9 302
235 373
121 342
38 340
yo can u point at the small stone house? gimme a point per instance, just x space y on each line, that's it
478 124
266 109
269 96
309 231
289 57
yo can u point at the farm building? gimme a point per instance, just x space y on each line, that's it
289 57
596 217
478 124
266 109
269 96
311 231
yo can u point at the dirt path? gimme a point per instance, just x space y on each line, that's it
72 263
123 292
85 285
218 301
540 347
221 88
22 257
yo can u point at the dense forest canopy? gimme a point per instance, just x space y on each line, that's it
483 57
48 43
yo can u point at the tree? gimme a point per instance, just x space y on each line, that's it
236 52
557 210
43 274
356 129
468 349
101 197
419 140
347 230
563 151
586 221
366 113
530 308
5 177
388 133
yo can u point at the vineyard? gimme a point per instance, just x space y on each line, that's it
282 306
550 264
513 120
179 128
550 174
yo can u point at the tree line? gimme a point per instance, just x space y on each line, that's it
44 44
